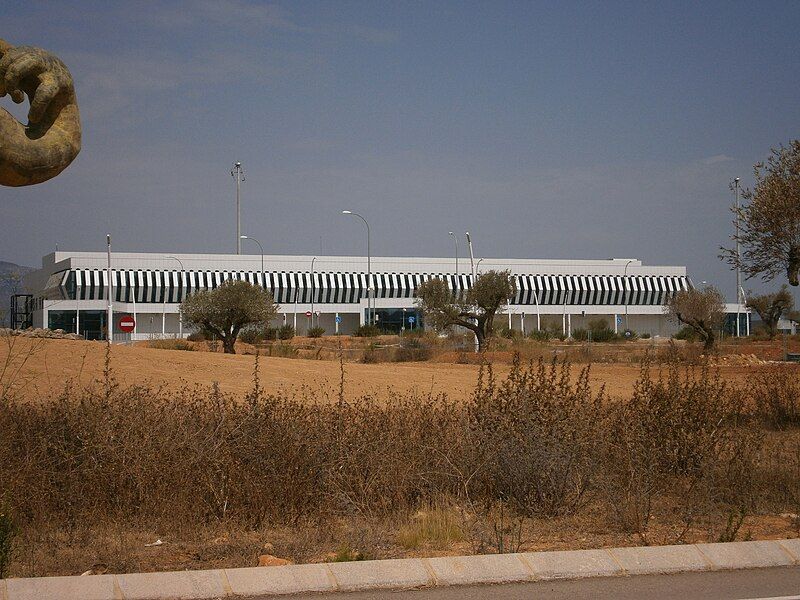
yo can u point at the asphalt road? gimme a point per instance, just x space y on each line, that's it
777 583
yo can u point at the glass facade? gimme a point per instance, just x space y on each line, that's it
394 320
91 325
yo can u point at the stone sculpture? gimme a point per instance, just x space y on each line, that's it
51 140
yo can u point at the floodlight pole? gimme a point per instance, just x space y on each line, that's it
238 173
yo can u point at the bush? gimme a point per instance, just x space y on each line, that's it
370 355
271 334
8 530
315 332
285 332
281 350
597 331
252 335
196 336
367 331
580 334
645 336
686 333
540 335
776 396
170 344
412 348
537 443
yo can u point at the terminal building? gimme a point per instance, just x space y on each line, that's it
70 291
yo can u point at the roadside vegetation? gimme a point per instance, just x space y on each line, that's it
532 460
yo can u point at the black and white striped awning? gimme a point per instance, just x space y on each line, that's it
146 286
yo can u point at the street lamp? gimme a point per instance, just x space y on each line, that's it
738 259
455 239
625 281
260 247
313 260
369 266
180 317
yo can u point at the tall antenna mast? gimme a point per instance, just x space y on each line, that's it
238 173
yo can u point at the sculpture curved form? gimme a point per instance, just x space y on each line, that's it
51 140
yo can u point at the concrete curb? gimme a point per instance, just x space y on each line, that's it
406 573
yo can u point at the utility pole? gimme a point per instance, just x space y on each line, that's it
738 258
238 173
110 290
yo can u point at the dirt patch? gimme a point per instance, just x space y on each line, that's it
53 362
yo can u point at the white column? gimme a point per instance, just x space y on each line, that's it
616 325
523 324
569 324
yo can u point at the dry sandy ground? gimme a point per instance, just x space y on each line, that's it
53 362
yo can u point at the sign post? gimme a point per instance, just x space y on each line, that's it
127 324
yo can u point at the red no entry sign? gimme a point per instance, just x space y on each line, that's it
127 324
308 313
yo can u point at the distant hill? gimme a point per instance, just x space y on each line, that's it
10 275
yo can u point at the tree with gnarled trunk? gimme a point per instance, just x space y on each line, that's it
702 310
474 310
770 307
770 224
223 312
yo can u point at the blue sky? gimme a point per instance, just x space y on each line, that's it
552 130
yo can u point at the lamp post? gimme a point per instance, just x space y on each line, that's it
180 317
369 266
110 290
455 239
313 260
738 271
238 174
260 247
625 281
471 254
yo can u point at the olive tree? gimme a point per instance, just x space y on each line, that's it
770 223
702 310
770 307
474 310
224 311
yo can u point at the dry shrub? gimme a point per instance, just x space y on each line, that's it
776 396
538 434
536 444
171 344
438 527
678 439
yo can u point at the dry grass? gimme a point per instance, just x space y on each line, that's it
436 528
533 458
